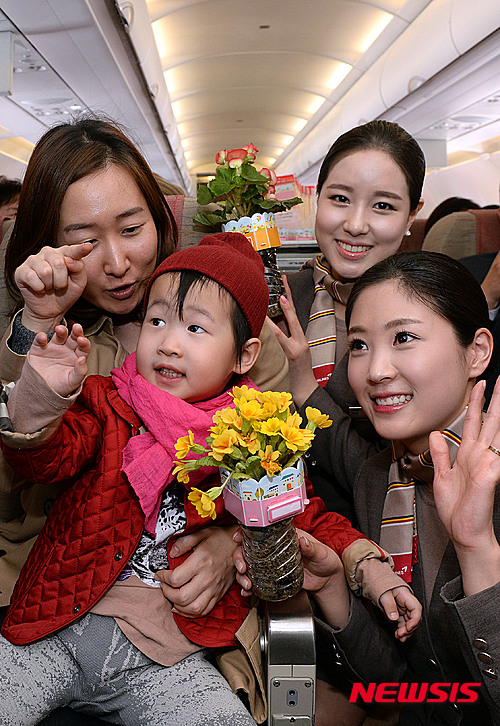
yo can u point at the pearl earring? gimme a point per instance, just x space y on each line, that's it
408 233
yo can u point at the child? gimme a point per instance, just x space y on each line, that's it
91 577
418 338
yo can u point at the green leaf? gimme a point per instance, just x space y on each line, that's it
204 195
255 190
219 187
289 203
209 219
250 173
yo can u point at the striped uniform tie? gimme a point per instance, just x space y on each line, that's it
321 328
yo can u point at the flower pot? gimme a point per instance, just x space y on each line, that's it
261 231
265 509
274 561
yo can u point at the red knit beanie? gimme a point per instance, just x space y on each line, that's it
229 259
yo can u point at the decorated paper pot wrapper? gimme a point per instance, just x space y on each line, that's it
261 231
264 502
265 509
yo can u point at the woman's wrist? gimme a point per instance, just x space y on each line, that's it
302 386
333 600
38 324
480 566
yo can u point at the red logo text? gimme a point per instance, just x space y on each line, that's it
415 692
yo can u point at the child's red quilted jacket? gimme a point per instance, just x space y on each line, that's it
95 525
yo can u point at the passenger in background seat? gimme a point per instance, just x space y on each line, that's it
448 206
9 199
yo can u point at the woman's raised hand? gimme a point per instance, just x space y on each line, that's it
51 282
62 360
296 349
465 492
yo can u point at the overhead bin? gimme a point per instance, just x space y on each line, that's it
392 77
138 26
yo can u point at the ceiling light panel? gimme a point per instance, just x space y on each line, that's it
269 71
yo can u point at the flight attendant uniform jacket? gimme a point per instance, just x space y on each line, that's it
329 483
458 640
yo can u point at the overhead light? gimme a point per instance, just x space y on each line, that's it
338 76
316 104
415 82
374 32
299 124
17 148
176 109
169 80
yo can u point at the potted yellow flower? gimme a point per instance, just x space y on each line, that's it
257 446
247 203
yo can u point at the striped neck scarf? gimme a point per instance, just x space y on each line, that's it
321 329
398 533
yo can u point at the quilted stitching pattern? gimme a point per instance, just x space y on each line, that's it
95 526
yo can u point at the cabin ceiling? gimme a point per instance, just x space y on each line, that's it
191 77
240 72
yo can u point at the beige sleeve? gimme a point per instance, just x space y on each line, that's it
375 577
34 409
270 373
357 552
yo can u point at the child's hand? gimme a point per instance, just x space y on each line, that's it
401 604
61 361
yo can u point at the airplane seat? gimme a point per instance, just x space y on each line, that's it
184 209
289 660
487 230
413 242
463 234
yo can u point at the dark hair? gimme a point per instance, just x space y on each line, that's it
384 136
9 190
65 154
448 206
441 283
192 279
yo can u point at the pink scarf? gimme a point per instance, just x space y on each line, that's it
148 458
